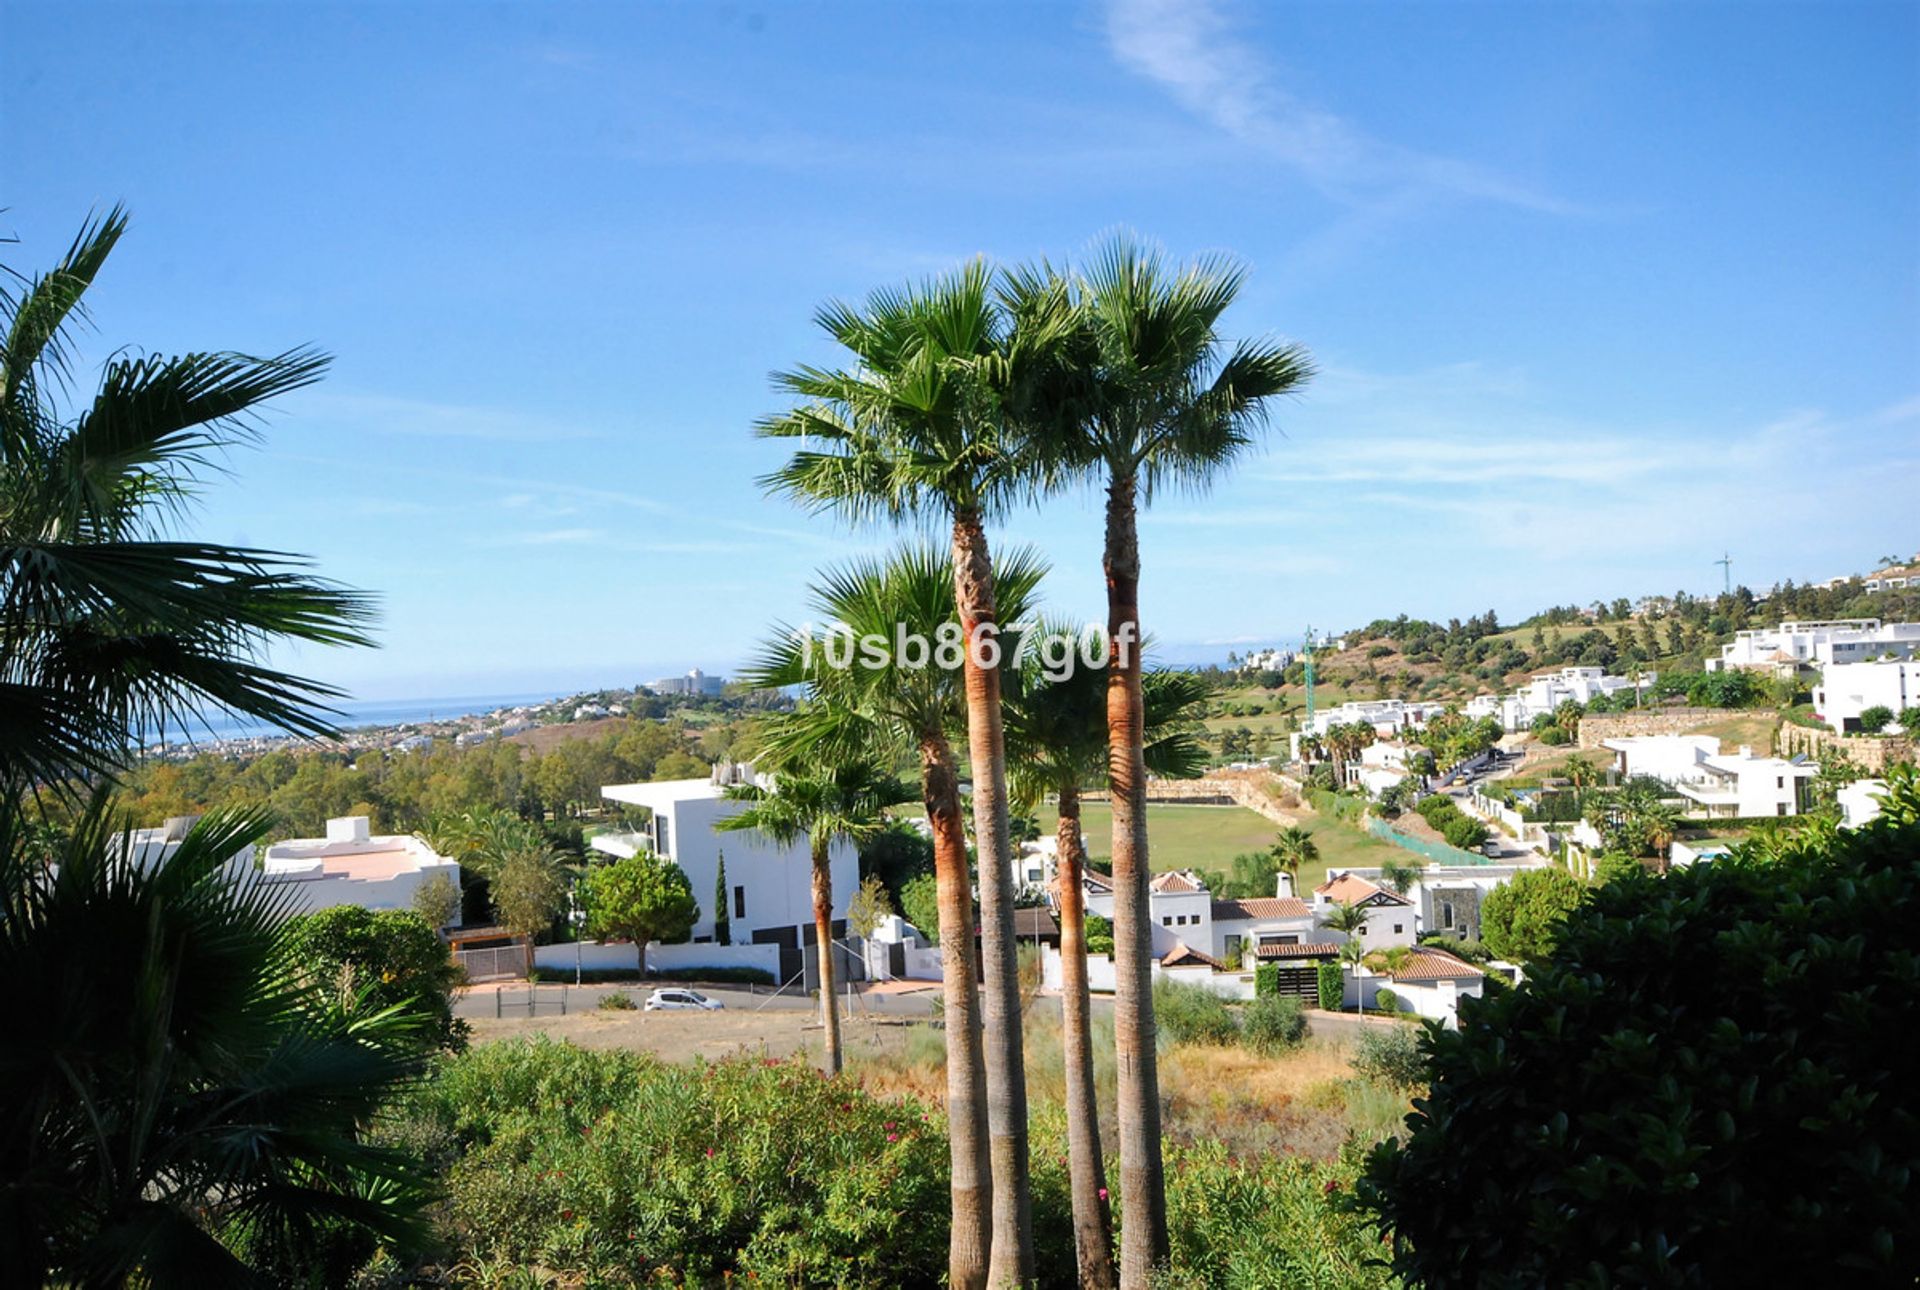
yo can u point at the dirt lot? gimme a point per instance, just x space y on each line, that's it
680 1036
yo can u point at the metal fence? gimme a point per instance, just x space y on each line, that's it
502 963
527 1001
1438 852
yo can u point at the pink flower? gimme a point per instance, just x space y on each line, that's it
709 1153
889 1124
1103 1193
893 1137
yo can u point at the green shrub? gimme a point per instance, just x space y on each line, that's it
1520 919
1709 1081
1465 832
1267 1220
1193 1014
1384 1000
606 1167
1391 1055
1875 719
1100 945
1271 1025
1266 980
616 1001
394 956
1333 986
1553 736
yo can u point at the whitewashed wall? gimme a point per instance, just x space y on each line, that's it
595 956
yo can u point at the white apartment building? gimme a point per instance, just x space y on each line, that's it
352 865
769 886
1541 695
1848 689
1386 716
1717 785
1795 645
694 683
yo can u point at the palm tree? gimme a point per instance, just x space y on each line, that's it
1132 390
1348 918
1294 848
1057 744
183 1105
842 802
915 430
859 706
113 632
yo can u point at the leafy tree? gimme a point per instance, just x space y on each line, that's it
1614 865
896 855
920 905
437 900
869 906
385 959
1876 718
1910 720
1707 1082
529 891
642 898
1146 395
112 632
1401 877
182 1105
1521 918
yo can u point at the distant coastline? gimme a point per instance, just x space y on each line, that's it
361 714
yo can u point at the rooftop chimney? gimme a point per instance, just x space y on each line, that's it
349 828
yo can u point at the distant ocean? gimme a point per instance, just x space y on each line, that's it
373 712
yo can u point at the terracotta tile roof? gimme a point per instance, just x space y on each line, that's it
1174 881
1429 964
1261 907
1031 922
1185 955
1323 950
1095 879
1349 890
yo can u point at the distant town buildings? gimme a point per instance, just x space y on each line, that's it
1848 689
1386 716
1267 660
694 683
1895 576
1794 645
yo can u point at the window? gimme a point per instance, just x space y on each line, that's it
1275 940
1446 913
1780 808
660 839
739 902
1397 929
1166 922
1233 948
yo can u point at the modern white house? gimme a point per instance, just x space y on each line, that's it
352 865
1717 785
1793 645
1848 689
1546 692
1447 898
1386 716
1186 916
769 886
1382 765
1895 576
148 849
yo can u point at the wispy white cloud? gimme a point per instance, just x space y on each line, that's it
1190 49
543 537
389 415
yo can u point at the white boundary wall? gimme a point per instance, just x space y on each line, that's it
596 956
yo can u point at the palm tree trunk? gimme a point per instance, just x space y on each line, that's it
971 1235
1143 1191
1012 1261
823 937
1092 1218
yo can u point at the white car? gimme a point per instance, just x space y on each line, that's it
682 1000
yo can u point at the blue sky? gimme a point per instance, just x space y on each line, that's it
1596 291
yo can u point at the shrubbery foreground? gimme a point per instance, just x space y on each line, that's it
1710 1081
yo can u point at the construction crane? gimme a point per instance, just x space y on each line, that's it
1308 653
1726 569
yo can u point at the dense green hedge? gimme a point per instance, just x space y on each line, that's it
1709 1080
1332 982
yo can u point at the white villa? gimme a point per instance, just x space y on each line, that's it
1860 802
1717 785
1541 695
1895 576
1382 765
1794 645
352 865
1266 660
769 886
1848 689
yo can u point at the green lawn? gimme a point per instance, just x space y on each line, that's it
1208 837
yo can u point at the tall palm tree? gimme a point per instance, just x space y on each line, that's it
1294 848
1348 918
1057 744
182 1105
112 632
840 802
915 430
1132 387
862 706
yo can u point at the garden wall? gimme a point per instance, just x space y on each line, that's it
1871 753
621 955
1664 721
